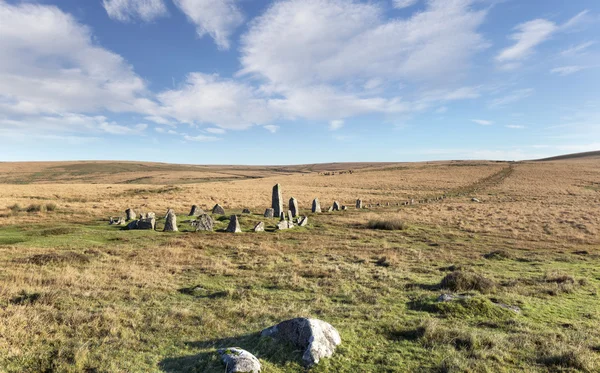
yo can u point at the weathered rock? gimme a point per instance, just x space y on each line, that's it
412 202
218 210
170 222
234 225
317 338
316 206
283 224
260 227
204 222
277 200
294 206
195 211
169 211
303 222
290 215
117 221
451 297
344 208
148 224
330 209
237 360
359 204
150 215
475 200
130 214
282 216
270 213
336 206
143 215
515 309
246 211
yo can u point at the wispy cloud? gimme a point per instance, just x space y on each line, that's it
271 128
482 122
515 126
401 4
513 97
577 49
127 10
215 130
568 70
200 138
335 125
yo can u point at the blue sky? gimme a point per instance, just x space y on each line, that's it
298 81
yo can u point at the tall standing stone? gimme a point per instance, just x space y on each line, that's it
171 222
260 227
130 214
290 216
359 204
336 206
294 206
277 200
234 225
316 206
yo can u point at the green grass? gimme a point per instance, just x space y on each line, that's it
93 297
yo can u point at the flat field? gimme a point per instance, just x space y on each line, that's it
78 295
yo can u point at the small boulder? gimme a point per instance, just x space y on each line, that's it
237 360
283 224
336 206
269 213
130 214
234 225
316 206
218 210
204 222
303 222
147 224
330 209
151 215
195 211
475 200
246 211
260 227
344 208
317 338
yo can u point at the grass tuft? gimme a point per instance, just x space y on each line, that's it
467 281
387 224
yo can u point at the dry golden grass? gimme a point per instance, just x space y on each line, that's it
79 296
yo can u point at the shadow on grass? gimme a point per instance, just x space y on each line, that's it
209 361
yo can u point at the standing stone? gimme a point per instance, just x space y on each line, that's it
218 210
143 215
148 224
336 206
194 211
237 360
171 222
283 224
269 213
294 206
234 225
330 209
290 215
316 206
151 215
246 211
277 200
204 223
130 214
260 227
359 204
344 208
303 222
282 216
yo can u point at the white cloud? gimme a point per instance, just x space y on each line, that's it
513 97
218 18
568 70
271 128
210 99
218 131
482 122
528 35
401 4
298 44
51 65
200 138
515 126
577 49
335 125
579 19
116 129
126 10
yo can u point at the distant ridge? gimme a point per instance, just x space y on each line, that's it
571 156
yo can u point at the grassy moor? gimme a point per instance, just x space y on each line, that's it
495 267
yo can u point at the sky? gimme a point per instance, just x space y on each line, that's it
298 81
